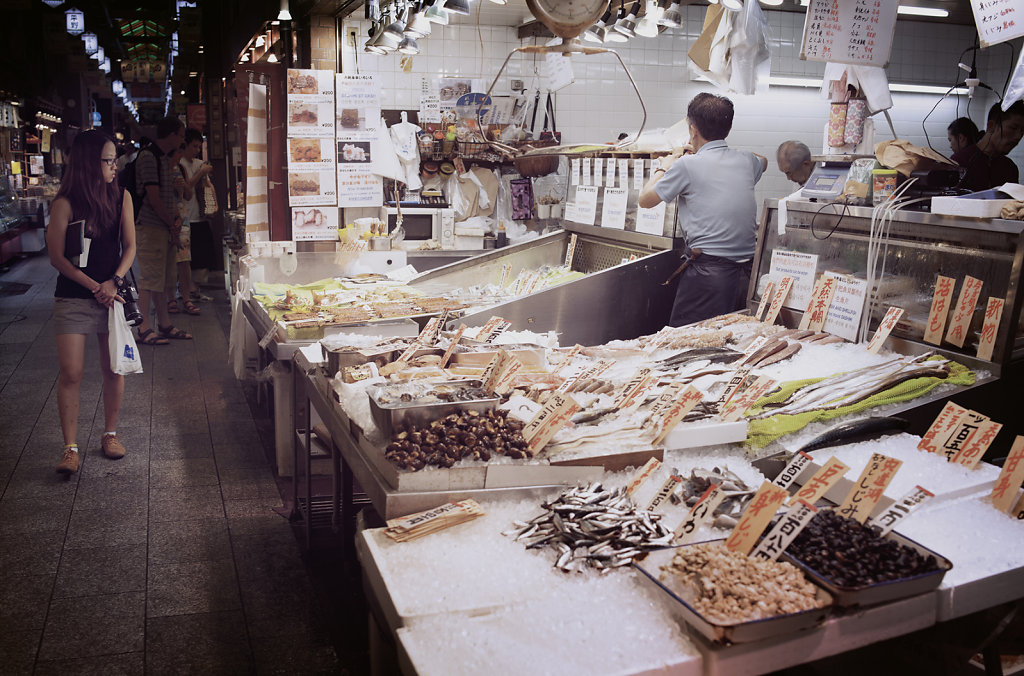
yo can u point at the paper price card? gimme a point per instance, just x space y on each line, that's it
731 387
553 416
900 510
623 173
410 351
635 384
801 267
1010 478
651 221
740 403
499 362
868 488
506 270
570 355
778 299
570 250
503 384
576 165
599 171
821 301
846 307
963 432
989 330
972 452
588 175
965 304
785 531
789 474
638 174
613 211
428 336
806 318
756 517
682 405
754 346
609 179
666 490
939 309
944 423
892 315
424 523
998 20
701 512
590 372
766 299
451 348
642 475
819 484
494 327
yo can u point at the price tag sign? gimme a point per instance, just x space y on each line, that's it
570 251
846 306
598 171
428 336
702 512
965 304
940 429
666 490
635 384
623 173
488 327
792 470
613 211
553 416
506 270
409 352
268 337
589 373
990 329
503 384
900 510
780 297
736 408
785 531
868 488
575 178
972 453
818 307
499 362
682 405
731 387
822 480
642 475
963 432
939 310
754 346
766 299
638 174
1010 478
451 348
588 174
610 174
575 350
892 315
815 290
756 517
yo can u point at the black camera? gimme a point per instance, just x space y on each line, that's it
130 297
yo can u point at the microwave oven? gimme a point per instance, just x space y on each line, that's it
423 223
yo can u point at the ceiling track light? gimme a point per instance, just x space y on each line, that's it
627 24
647 27
457 7
672 17
419 24
436 13
597 32
409 45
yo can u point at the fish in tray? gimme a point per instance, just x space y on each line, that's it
737 493
593 526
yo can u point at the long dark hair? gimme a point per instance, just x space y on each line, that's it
83 186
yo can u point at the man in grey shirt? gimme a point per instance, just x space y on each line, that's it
715 187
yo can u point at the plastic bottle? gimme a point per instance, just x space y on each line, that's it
502 238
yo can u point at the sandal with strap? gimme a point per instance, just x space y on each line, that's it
172 307
149 337
174 333
191 308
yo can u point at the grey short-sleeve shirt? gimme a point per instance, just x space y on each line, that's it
154 168
715 188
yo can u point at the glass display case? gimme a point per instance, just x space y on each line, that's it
916 249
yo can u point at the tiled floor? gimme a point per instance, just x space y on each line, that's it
171 560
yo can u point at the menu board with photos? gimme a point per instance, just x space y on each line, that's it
857 32
310 103
311 166
314 223
358 119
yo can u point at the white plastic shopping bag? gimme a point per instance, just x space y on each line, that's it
124 354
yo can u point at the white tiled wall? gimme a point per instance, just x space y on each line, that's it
600 103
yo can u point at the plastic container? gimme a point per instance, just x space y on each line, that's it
883 184
469 238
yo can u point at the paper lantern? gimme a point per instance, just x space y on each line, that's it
91 43
105 65
142 71
75 21
158 69
128 71
117 87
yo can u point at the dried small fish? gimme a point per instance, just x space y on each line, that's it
737 493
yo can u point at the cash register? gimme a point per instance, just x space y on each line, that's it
829 177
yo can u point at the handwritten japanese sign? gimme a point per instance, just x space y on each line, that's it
451 348
801 267
766 299
731 387
792 470
666 489
849 31
492 329
1010 478
822 480
410 351
494 369
964 312
868 488
642 475
990 328
846 307
553 416
589 373
974 450
821 301
633 393
756 517
892 315
998 20
740 403
571 250
702 512
675 412
780 297
900 509
941 301
962 433
428 336
941 427
785 531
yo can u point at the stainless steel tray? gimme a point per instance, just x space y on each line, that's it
392 418
889 590
742 632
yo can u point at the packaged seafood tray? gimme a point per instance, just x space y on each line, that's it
739 632
392 413
880 592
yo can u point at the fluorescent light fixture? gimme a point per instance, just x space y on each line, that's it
922 11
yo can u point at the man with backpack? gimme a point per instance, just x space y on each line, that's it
158 228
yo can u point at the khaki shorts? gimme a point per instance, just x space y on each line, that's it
79 315
184 254
156 256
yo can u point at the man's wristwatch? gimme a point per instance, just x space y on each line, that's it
118 280
657 170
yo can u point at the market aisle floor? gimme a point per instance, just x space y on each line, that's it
170 560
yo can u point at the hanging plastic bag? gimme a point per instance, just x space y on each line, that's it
210 206
124 354
236 340
749 58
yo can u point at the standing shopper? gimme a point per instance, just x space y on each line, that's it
194 171
158 231
715 187
85 294
183 257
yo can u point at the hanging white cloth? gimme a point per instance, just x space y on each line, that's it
403 136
